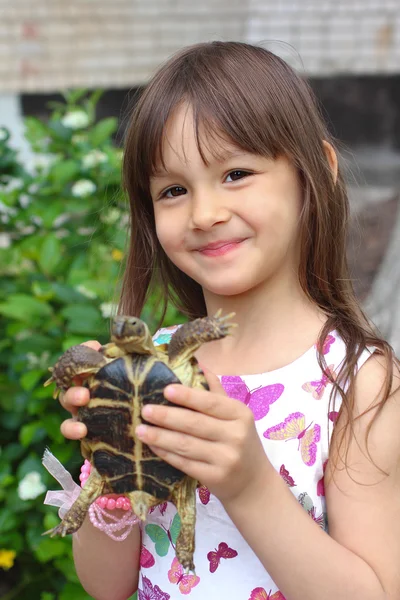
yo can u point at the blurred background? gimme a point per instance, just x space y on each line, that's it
69 72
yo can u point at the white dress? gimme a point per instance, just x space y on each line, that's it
294 421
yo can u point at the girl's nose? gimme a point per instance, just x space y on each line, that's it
208 210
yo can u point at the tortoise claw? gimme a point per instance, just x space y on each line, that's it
61 529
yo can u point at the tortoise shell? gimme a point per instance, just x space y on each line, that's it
118 391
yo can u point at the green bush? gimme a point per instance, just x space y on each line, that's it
62 241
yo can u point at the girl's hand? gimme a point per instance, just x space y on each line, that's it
74 398
208 436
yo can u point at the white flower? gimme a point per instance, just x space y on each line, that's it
94 158
79 138
31 486
110 217
38 221
24 200
61 219
13 183
85 292
83 188
76 119
3 134
44 161
33 188
61 233
86 230
108 309
5 240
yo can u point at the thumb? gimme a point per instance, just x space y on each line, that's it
213 381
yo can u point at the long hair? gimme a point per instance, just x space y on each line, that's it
252 97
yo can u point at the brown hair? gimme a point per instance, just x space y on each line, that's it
254 98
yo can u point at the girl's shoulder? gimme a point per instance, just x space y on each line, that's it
163 335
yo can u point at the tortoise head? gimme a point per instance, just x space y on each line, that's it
132 334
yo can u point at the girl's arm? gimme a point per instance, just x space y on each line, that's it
107 570
216 442
360 557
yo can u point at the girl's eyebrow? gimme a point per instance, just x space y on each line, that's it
220 158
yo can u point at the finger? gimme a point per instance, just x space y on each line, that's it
204 401
196 469
74 398
213 381
73 430
183 420
95 345
176 442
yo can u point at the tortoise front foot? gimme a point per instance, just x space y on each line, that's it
64 528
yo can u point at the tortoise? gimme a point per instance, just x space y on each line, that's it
123 376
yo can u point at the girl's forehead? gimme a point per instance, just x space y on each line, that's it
184 139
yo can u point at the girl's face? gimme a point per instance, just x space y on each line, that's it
231 224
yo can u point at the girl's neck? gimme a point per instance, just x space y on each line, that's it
275 326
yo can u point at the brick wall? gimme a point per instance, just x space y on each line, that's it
48 45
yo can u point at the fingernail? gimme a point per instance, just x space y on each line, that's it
147 410
141 431
80 396
170 392
80 429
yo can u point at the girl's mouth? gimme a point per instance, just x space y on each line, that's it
220 248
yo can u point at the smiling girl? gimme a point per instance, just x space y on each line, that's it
237 203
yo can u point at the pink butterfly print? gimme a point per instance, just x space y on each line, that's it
284 473
260 594
204 494
326 346
333 415
151 593
294 427
317 388
146 558
258 400
215 555
321 484
162 508
307 503
185 582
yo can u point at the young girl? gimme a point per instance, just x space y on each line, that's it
237 203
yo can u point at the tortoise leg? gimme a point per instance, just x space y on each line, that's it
190 336
77 360
74 518
184 498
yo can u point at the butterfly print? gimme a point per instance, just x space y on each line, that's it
258 400
294 427
308 505
146 558
151 593
161 507
260 594
317 388
321 484
333 415
163 537
204 494
184 582
284 473
215 555
326 346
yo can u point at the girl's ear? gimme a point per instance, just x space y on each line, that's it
332 159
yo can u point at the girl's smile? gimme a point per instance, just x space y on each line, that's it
221 248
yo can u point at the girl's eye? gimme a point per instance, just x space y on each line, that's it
237 174
173 192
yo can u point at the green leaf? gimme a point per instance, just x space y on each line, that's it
102 131
8 520
50 254
64 172
50 548
30 379
83 318
24 308
74 591
32 433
